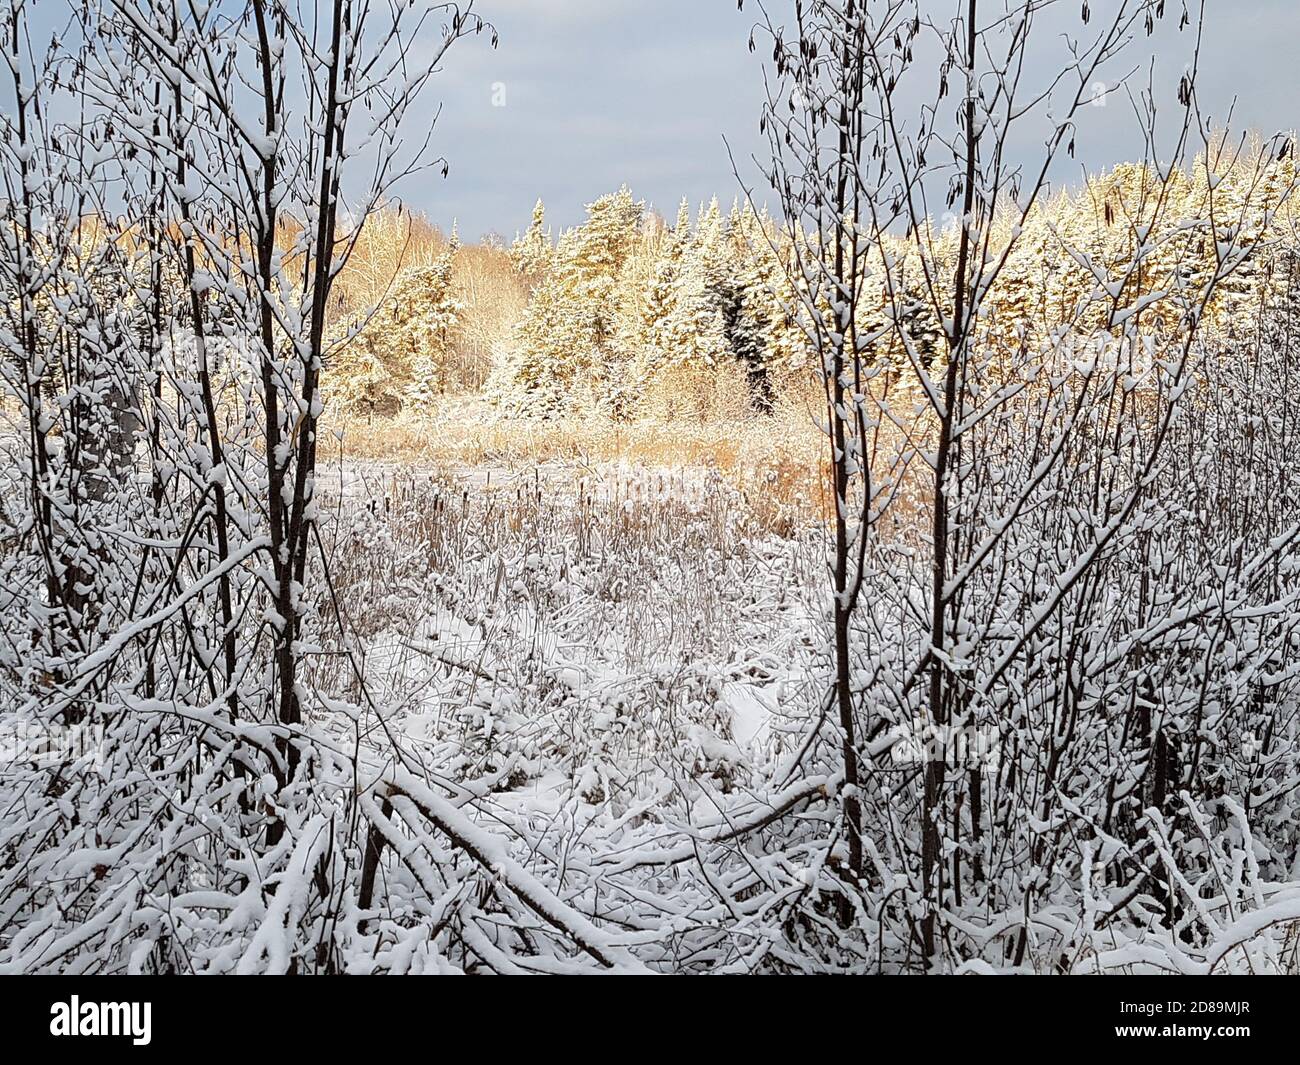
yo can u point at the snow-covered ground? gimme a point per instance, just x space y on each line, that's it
576 623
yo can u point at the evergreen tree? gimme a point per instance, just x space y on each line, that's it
693 333
533 254
567 341
396 360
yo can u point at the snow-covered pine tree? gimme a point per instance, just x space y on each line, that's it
742 285
428 336
660 298
566 343
785 345
689 342
396 360
533 253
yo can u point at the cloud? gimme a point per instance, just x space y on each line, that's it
602 92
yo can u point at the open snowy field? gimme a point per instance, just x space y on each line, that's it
596 636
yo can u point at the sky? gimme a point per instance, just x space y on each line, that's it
582 96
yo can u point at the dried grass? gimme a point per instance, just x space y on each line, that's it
776 464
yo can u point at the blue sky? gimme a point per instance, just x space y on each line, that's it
599 93
602 92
